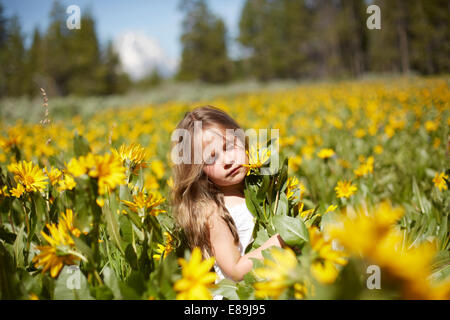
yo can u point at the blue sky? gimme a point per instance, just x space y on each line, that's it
159 19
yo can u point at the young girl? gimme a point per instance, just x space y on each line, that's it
208 196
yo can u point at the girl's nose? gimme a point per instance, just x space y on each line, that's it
229 158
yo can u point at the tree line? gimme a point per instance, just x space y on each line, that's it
60 60
297 39
279 39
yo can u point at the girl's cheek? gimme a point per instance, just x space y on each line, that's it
211 171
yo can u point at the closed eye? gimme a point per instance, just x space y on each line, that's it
211 159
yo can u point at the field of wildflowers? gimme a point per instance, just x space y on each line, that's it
361 198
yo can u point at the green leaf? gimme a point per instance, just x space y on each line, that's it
71 285
110 279
18 248
131 257
83 247
101 293
261 238
423 203
282 206
8 280
262 191
111 221
227 288
250 204
293 231
125 229
244 292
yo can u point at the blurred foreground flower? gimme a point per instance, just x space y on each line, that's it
196 278
277 273
374 237
325 258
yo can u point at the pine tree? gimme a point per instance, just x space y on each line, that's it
204 55
58 55
352 32
254 33
14 66
86 74
35 65
115 80
429 36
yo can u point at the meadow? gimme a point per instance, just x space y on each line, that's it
361 198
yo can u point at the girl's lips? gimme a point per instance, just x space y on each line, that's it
234 170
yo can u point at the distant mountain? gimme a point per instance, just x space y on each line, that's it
141 54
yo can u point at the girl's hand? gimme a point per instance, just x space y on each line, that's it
276 240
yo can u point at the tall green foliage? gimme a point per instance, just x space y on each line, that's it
204 55
321 38
61 60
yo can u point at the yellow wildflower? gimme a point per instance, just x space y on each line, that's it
345 189
17 191
378 149
66 222
54 175
325 153
67 183
30 176
365 168
196 278
331 208
257 157
304 214
109 171
134 154
292 186
164 250
144 204
58 253
439 181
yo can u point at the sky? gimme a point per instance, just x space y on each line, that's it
159 19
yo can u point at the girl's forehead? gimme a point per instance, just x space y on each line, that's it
214 135
218 136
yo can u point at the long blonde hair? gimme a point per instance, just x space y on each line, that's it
193 195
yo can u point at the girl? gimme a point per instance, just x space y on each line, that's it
208 196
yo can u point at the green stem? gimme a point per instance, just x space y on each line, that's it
27 223
47 202
97 276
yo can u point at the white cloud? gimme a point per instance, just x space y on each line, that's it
140 54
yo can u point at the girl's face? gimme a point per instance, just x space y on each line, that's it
223 158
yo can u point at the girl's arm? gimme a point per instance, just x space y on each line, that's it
227 254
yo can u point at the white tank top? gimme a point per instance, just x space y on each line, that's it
245 222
